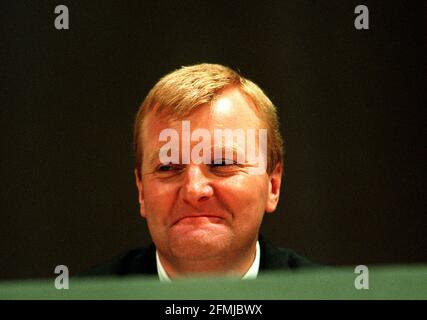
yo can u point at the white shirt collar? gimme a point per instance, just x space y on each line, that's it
252 273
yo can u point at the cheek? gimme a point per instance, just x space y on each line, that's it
244 194
159 200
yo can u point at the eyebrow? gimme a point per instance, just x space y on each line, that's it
154 157
224 149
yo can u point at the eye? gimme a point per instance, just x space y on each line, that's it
168 167
223 163
165 168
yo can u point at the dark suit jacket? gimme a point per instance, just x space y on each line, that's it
143 261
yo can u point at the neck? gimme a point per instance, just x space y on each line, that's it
236 264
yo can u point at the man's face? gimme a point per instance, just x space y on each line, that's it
201 211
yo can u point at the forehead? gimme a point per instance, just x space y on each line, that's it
229 110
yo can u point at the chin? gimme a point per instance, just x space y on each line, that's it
200 245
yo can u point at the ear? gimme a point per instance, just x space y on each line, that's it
140 194
275 180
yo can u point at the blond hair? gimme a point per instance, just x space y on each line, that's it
185 89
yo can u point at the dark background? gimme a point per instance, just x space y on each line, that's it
352 104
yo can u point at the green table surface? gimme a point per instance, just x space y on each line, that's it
385 282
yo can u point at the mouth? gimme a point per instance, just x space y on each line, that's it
199 219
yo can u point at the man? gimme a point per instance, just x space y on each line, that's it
208 165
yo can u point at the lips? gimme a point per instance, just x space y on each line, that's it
189 217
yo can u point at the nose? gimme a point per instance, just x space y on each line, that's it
196 187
